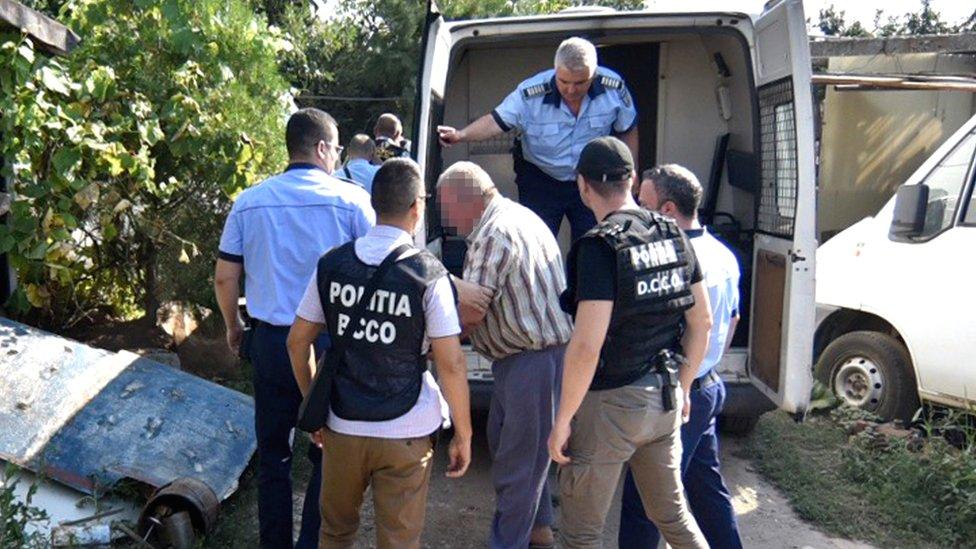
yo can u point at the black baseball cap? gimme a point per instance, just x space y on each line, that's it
605 159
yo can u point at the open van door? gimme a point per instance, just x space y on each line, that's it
429 107
783 306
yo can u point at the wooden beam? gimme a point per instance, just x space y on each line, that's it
860 81
47 33
832 46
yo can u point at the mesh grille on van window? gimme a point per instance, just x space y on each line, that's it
777 201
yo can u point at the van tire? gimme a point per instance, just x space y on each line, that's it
874 370
738 426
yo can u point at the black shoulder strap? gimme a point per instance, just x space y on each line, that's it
378 275
346 170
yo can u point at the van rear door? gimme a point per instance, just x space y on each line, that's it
434 62
783 307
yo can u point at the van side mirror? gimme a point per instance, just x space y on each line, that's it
908 220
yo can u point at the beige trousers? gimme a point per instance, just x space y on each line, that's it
614 427
399 472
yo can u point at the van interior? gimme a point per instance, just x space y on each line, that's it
697 106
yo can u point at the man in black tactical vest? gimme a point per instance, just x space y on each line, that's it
385 405
636 293
390 143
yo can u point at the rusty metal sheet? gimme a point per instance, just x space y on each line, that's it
89 418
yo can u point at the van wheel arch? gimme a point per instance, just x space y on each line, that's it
845 321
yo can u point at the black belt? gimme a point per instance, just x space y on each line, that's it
256 323
707 380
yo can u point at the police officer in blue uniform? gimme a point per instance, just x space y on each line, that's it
558 111
675 192
276 230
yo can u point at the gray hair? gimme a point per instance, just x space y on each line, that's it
465 171
576 55
677 184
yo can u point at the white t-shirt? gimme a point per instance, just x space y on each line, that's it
441 318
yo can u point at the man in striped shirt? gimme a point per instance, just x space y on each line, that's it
513 263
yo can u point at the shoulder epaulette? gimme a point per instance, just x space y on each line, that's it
611 82
536 90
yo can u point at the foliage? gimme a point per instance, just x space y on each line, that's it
890 491
17 516
925 21
123 155
371 49
832 23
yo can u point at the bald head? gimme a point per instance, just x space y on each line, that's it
361 146
389 126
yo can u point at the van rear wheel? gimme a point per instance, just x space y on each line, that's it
872 371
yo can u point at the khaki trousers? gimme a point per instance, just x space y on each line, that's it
399 472
614 427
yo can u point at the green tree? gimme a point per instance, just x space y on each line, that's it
124 155
832 23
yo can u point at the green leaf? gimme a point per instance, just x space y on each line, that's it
38 251
26 51
54 81
66 159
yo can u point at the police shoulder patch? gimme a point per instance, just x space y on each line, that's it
536 90
611 82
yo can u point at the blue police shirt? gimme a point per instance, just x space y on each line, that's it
360 171
721 278
279 228
552 137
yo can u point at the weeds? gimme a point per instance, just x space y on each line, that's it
16 516
912 489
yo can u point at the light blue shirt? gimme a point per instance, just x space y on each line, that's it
552 137
360 171
279 228
720 270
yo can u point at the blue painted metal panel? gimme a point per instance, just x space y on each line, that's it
150 422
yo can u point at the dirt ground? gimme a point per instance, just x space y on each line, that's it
459 512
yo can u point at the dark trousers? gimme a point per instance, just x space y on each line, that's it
523 403
276 402
551 199
708 496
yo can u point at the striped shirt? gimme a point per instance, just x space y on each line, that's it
513 253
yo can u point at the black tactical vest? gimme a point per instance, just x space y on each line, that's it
386 149
653 289
380 375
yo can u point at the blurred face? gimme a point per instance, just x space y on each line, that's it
417 213
328 154
573 86
461 205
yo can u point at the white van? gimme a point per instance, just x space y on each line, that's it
896 293
724 93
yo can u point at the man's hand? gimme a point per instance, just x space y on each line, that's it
235 332
448 135
318 437
460 453
474 301
558 442
686 407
